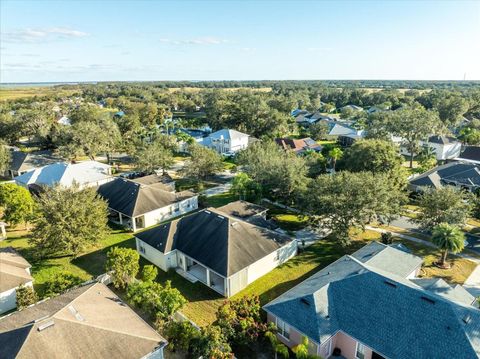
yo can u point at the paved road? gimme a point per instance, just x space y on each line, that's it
405 223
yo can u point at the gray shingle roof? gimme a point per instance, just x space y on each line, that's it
388 258
133 199
388 313
220 242
242 209
461 173
23 161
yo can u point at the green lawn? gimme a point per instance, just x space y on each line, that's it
221 199
285 219
182 184
88 264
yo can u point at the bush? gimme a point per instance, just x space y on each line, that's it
387 238
149 273
61 283
25 296
180 335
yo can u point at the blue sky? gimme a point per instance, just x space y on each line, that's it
238 40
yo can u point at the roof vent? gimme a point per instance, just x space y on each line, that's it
207 212
46 325
305 301
219 216
233 223
466 319
427 299
390 284
75 312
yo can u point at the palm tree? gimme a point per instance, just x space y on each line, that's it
335 154
448 238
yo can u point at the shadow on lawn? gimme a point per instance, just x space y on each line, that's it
94 262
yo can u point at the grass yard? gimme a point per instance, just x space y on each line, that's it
285 219
89 264
221 199
182 184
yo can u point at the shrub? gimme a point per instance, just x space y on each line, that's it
25 296
61 283
387 238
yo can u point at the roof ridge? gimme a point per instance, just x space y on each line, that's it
138 187
31 325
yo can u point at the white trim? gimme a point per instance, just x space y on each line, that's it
357 346
283 329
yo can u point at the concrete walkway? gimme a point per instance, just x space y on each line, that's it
472 284
217 190
421 241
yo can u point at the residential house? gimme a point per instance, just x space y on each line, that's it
163 181
89 321
226 141
85 174
299 146
444 147
22 162
464 175
248 212
352 107
469 154
371 305
137 206
224 252
336 128
14 272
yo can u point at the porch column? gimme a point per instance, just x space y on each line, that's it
120 218
208 277
134 227
184 263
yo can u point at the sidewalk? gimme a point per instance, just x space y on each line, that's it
422 241
217 190
472 284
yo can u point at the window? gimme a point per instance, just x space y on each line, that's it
141 248
360 352
283 329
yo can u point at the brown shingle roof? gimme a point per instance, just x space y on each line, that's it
13 269
86 322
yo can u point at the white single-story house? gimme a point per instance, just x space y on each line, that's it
226 141
444 147
85 174
138 206
14 272
223 252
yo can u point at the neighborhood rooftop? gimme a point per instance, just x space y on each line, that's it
134 199
12 269
83 173
462 174
242 209
390 314
218 241
89 321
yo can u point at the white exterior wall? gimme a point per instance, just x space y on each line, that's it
271 261
442 151
241 279
8 299
239 144
174 210
163 261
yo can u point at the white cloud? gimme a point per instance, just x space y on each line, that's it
248 49
41 35
196 41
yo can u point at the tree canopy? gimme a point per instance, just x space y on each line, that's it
68 221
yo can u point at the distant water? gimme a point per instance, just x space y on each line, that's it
37 84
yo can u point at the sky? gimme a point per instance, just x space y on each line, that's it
59 41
